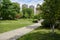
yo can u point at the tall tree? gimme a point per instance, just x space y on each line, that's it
50 12
4 9
9 9
14 9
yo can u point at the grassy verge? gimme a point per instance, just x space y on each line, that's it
41 34
7 25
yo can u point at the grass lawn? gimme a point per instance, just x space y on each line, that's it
7 25
41 34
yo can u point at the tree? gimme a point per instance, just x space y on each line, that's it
50 13
4 9
14 9
0 7
9 9
28 12
24 11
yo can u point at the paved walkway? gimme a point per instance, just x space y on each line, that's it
13 35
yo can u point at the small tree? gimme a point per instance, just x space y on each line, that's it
28 12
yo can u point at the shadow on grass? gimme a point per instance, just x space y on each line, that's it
40 35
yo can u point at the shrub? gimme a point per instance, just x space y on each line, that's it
46 24
57 25
37 16
35 20
17 16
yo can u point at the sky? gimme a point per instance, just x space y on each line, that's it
28 2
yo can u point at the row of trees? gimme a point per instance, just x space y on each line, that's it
9 10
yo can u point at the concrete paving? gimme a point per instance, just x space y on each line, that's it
14 34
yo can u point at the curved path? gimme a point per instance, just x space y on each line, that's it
14 34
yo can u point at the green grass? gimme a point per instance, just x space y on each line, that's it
41 34
7 25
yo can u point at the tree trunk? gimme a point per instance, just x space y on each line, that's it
53 27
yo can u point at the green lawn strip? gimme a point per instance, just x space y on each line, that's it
7 25
41 34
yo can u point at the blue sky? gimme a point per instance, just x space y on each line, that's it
29 2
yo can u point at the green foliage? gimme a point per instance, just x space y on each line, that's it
21 14
51 11
14 9
26 15
27 12
41 34
9 9
46 24
37 16
35 21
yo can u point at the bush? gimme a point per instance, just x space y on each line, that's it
35 20
46 24
57 25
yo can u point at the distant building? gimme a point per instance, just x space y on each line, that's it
24 6
38 8
38 5
31 6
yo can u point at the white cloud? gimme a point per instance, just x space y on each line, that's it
29 2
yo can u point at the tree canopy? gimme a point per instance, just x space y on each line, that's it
28 11
51 11
8 9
